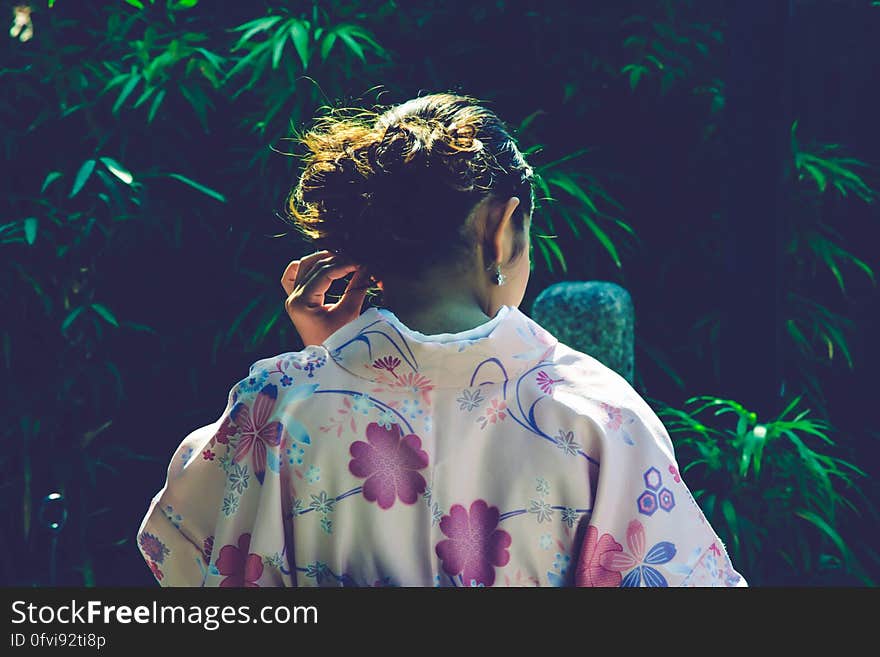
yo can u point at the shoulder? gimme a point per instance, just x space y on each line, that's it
285 368
592 392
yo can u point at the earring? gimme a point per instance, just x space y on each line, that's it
499 277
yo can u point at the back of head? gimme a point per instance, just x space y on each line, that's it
393 190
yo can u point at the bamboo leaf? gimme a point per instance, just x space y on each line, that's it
241 317
105 313
280 40
820 523
51 177
300 36
568 185
202 188
82 177
71 317
252 27
545 253
145 96
154 106
117 170
327 45
555 250
604 239
729 514
126 91
353 45
30 229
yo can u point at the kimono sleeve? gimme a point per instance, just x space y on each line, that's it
646 529
174 535
222 488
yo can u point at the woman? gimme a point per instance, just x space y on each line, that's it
445 440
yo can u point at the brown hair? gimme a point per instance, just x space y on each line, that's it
393 190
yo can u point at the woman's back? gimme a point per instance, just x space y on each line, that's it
497 456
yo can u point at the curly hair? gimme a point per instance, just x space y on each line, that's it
393 190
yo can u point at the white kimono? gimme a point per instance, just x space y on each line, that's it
494 457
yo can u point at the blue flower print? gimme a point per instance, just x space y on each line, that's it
225 461
411 408
255 382
639 563
286 381
561 563
275 561
559 575
386 419
541 509
362 404
542 486
570 516
174 518
295 455
566 442
322 503
238 477
230 505
313 474
309 362
470 400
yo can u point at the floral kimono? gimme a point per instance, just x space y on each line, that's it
384 457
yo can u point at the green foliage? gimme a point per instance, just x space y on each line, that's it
774 490
575 206
668 48
140 250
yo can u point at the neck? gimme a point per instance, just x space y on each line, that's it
432 308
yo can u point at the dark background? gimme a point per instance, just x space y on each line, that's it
685 110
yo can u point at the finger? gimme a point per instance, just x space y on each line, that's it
288 278
313 290
306 274
355 292
306 265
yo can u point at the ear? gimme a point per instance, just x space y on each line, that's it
500 226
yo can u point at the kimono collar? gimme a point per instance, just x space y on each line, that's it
379 347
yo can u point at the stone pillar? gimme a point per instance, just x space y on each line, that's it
593 317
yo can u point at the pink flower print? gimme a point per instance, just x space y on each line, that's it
152 547
225 432
638 562
614 416
590 571
390 462
256 431
475 545
207 549
241 567
674 472
208 455
157 573
416 384
389 363
521 580
495 412
546 383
